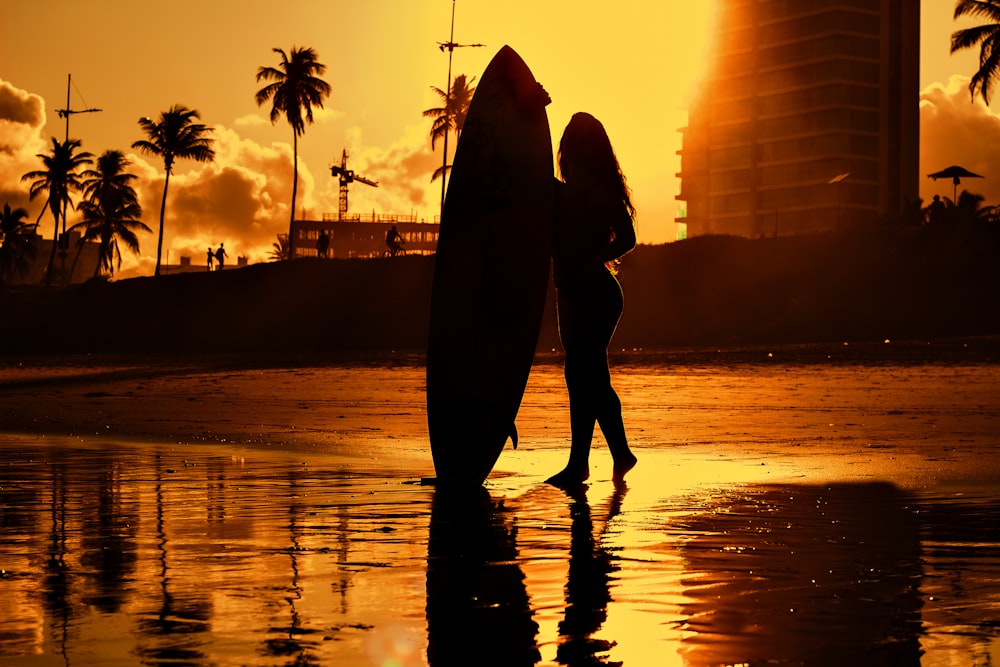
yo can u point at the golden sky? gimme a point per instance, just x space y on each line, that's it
632 64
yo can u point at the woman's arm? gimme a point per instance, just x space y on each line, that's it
622 237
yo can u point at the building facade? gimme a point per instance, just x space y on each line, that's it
359 235
72 255
808 118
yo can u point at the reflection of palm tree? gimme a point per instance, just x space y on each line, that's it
17 243
58 179
450 116
986 36
295 89
108 548
111 211
175 135
292 641
176 629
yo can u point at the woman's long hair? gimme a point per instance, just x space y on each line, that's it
586 156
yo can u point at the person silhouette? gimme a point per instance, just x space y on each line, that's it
211 256
594 228
220 257
322 244
936 211
394 240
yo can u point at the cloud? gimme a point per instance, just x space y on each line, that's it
403 172
263 119
241 198
252 120
22 117
327 115
957 130
18 106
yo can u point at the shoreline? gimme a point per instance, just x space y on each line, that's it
836 407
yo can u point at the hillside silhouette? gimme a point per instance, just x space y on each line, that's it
705 291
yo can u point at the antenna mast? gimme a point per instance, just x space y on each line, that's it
67 112
450 45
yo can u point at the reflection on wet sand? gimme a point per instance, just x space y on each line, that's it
120 553
117 554
477 606
774 571
588 583
960 536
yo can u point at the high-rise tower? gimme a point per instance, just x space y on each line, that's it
808 117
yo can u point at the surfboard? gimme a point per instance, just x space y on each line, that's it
491 272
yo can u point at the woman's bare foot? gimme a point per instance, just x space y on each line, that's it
623 464
569 477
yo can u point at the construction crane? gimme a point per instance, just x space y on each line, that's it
347 176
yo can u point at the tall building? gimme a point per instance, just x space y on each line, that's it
808 117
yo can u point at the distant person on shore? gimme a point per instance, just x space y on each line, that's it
211 256
322 244
220 257
936 211
594 228
394 240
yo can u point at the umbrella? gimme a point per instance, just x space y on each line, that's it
956 174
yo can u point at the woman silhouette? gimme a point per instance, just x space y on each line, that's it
594 228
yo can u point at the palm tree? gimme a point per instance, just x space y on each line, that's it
17 243
279 249
294 90
174 136
107 182
111 220
450 116
108 177
58 179
986 36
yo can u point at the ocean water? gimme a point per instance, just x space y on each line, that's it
815 510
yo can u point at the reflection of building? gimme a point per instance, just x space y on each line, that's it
808 116
357 235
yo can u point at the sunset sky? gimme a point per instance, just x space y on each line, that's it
632 64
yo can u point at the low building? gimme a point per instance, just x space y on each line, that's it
187 266
71 255
363 235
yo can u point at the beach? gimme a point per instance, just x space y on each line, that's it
822 504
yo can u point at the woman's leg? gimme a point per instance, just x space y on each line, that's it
586 329
608 406
582 419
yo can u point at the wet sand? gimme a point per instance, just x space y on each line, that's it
791 506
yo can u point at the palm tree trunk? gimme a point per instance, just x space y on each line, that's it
52 255
163 208
76 257
295 188
100 256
